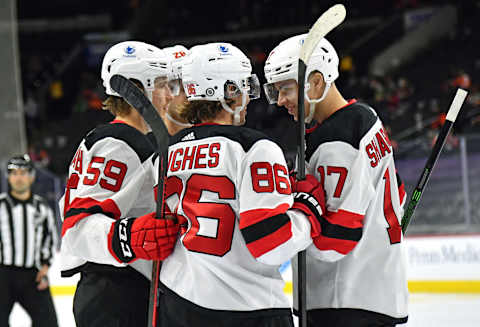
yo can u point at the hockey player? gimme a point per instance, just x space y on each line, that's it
231 185
111 179
356 267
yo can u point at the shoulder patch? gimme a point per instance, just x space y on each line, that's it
139 142
247 137
347 125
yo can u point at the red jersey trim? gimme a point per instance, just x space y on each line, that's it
271 241
118 121
341 246
345 218
250 217
84 207
401 192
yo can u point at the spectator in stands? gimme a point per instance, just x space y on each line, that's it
461 79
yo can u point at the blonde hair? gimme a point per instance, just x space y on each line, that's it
199 111
117 105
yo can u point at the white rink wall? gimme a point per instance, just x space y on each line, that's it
443 273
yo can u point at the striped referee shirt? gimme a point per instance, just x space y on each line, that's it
28 234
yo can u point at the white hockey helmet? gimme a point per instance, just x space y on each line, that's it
219 71
136 60
282 64
176 54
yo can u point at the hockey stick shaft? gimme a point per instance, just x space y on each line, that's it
432 160
138 100
327 21
301 257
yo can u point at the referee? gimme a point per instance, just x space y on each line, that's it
28 239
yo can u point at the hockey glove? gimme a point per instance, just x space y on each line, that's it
144 237
309 197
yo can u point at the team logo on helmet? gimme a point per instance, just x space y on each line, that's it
179 54
191 89
129 50
223 49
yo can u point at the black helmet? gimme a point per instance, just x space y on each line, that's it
18 162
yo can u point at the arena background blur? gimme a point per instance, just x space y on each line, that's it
404 57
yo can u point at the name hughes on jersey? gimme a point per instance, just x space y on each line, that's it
194 157
378 147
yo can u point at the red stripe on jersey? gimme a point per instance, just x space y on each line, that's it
310 130
271 241
118 121
341 246
254 216
85 208
401 192
345 218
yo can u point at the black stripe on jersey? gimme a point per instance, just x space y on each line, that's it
264 228
91 210
25 233
340 232
246 137
348 124
133 137
12 232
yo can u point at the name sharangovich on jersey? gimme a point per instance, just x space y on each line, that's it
378 147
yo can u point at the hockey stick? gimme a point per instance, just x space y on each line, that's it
437 148
137 99
330 19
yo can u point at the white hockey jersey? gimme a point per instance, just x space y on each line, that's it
111 176
358 262
231 186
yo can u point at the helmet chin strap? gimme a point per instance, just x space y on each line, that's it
236 112
313 102
173 120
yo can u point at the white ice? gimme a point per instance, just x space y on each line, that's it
426 310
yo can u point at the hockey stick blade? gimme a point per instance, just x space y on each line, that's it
138 100
330 19
437 149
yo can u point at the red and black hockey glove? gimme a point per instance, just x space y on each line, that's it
144 237
309 197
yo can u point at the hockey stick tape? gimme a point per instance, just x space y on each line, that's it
456 104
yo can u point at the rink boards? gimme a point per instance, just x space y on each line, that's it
435 264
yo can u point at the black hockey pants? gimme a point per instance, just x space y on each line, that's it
111 300
175 311
350 318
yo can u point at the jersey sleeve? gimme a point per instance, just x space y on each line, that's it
271 233
104 183
346 178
